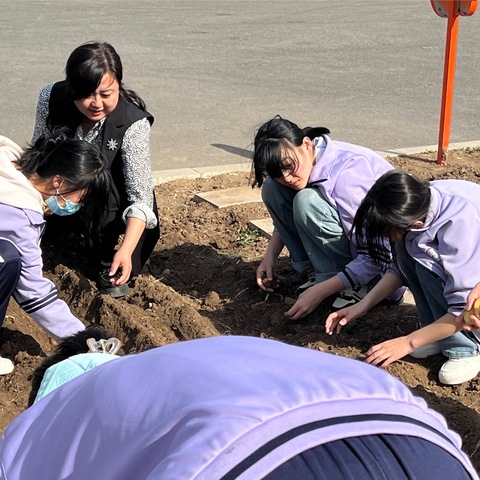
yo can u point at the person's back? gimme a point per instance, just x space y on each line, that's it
214 408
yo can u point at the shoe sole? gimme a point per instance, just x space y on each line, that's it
456 381
352 299
117 292
6 366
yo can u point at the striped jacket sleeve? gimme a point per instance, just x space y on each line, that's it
36 294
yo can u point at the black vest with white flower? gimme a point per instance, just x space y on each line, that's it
64 113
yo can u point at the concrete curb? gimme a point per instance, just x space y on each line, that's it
163 176
427 148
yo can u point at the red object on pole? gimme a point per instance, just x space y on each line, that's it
451 9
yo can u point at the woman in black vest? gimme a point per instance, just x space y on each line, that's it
93 104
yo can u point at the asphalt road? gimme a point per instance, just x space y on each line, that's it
211 71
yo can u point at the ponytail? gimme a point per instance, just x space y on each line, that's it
38 157
394 202
131 96
314 132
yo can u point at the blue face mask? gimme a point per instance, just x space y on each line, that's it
69 209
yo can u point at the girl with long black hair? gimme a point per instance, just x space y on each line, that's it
312 186
434 229
57 175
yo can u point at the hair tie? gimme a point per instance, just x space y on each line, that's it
60 137
112 345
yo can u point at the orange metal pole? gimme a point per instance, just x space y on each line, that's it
448 82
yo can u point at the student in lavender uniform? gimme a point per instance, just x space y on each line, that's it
55 176
226 408
434 228
312 186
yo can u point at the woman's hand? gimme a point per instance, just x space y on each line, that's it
340 318
387 352
386 286
306 302
474 319
474 323
265 271
265 274
310 299
472 296
122 262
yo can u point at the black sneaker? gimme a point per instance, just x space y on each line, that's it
105 286
308 280
350 296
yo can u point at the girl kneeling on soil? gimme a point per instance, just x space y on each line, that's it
434 228
56 175
94 105
312 187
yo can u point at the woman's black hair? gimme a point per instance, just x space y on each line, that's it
394 202
79 163
68 347
87 65
273 136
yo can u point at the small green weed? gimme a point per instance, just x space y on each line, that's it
248 236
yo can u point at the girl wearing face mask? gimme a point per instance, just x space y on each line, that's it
94 105
54 176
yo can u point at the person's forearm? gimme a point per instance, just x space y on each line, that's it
275 246
438 330
133 232
387 285
330 287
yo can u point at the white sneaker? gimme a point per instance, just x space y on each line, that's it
459 370
427 350
350 296
6 366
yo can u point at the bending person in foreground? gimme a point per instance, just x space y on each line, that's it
230 408
434 228
56 175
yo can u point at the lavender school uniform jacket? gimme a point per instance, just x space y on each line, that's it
344 174
22 223
448 243
210 409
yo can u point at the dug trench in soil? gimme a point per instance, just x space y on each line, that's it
200 282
